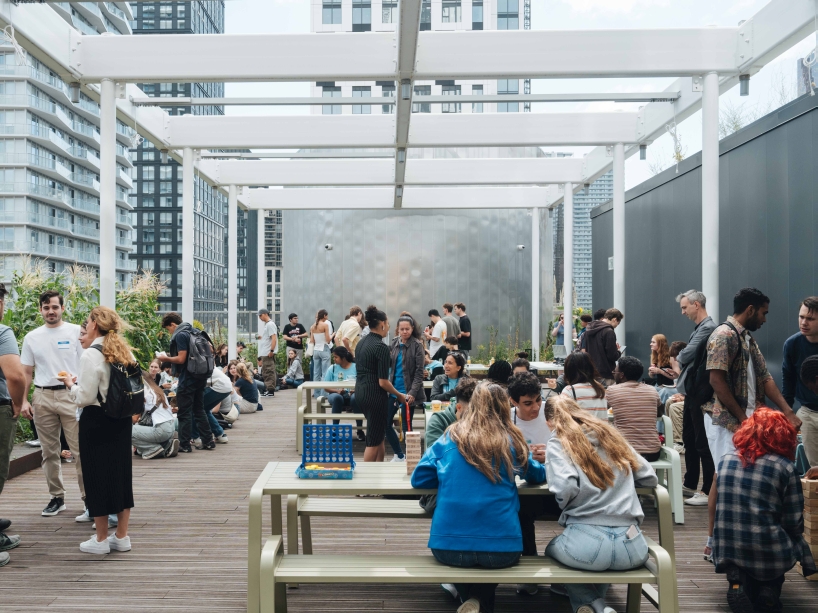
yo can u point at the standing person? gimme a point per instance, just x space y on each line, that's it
601 345
798 348
349 332
635 407
190 390
694 437
599 315
105 443
452 322
319 337
584 320
559 331
295 333
267 348
13 390
157 438
477 459
740 381
582 385
407 357
372 387
436 333
759 531
464 338
48 350
594 473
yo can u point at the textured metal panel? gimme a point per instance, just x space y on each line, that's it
602 232
415 261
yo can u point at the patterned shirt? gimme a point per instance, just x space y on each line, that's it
725 353
760 518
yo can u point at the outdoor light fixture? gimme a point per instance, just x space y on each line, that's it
520 247
401 156
744 84
74 90
163 155
643 152
406 89
399 191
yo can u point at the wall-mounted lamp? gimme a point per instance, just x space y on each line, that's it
744 84
401 156
74 90
406 89
399 191
520 247
643 152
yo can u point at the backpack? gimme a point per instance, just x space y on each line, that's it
697 383
200 358
126 391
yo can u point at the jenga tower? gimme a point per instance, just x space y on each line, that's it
810 520
412 451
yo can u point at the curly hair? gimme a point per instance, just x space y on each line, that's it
114 346
765 431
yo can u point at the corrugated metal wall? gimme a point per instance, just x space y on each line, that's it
768 233
415 261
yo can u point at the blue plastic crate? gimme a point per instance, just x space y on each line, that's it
329 445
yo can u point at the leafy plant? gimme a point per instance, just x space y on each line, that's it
137 305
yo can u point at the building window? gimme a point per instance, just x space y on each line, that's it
165 219
148 24
149 188
508 86
165 173
389 11
476 90
331 13
451 11
147 219
477 15
508 14
147 236
148 173
166 201
451 107
426 15
361 92
425 107
388 91
166 24
166 187
361 15
331 109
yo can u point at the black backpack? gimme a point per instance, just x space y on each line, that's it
697 383
200 358
126 391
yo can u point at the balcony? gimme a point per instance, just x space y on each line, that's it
82 204
86 230
125 241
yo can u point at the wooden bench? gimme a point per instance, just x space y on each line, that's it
277 570
669 470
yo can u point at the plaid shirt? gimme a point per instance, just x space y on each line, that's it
725 353
760 518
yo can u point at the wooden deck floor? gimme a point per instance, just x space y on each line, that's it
189 535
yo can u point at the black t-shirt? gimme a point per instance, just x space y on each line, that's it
441 353
465 326
295 330
183 344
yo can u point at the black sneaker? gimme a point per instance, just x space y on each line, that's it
737 598
361 436
259 407
55 506
185 449
8 542
209 446
768 600
4 524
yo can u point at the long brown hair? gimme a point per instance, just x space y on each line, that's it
579 368
660 357
114 346
571 425
241 371
485 435
151 383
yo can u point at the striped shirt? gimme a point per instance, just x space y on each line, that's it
585 396
634 407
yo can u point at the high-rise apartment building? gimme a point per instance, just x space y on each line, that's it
272 263
598 192
49 158
157 197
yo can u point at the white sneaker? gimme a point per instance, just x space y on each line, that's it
699 499
84 518
608 610
119 544
221 439
395 458
197 443
472 605
680 449
450 589
33 443
92 545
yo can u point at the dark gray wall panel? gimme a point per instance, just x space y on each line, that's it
602 233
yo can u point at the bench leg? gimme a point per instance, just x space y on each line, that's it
306 534
292 524
674 487
280 598
634 597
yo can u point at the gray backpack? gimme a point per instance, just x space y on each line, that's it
200 359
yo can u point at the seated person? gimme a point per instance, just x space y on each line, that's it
217 399
674 408
582 384
157 438
246 389
473 467
759 529
594 473
499 372
341 399
436 423
430 364
520 365
155 371
449 345
166 379
635 406
295 372
454 369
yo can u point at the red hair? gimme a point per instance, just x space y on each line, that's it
765 431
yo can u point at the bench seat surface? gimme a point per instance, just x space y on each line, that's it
356 507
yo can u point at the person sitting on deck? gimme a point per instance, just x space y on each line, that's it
473 467
246 389
295 372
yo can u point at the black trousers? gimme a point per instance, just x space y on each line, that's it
532 508
696 448
190 402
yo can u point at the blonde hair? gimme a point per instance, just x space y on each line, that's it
149 381
485 435
572 425
660 357
241 371
114 346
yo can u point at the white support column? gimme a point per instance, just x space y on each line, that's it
710 193
568 265
619 236
232 271
107 194
535 284
262 273
188 234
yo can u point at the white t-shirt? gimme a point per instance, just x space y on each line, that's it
438 331
536 431
219 382
268 331
162 414
51 350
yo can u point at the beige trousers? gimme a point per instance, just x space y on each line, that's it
675 411
809 434
54 409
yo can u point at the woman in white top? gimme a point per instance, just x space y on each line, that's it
105 443
156 439
582 385
319 336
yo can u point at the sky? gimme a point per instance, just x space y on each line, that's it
293 16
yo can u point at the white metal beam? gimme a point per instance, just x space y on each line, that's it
319 197
407 47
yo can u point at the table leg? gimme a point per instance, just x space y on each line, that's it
292 524
254 538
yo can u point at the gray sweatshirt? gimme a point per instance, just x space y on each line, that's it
295 371
582 502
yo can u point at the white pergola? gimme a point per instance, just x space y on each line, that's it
705 61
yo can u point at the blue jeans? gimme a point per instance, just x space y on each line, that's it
391 435
214 426
322 360
596 548
293 382
339 401
484 592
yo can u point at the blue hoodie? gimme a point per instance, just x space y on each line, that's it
472 513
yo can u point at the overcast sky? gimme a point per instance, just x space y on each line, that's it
293 16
